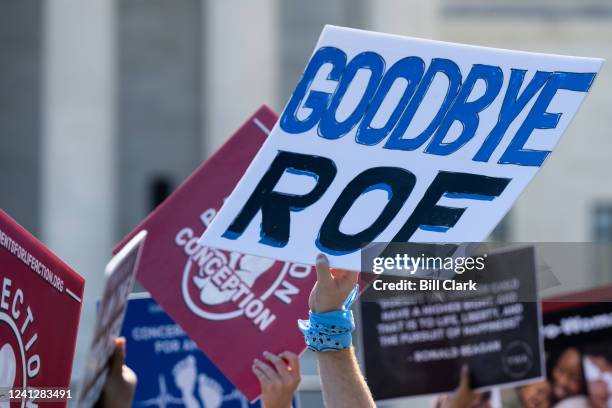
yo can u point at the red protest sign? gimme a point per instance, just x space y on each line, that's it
40 305
233 306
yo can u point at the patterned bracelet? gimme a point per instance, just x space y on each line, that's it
331 330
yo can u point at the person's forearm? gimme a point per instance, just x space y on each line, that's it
341 381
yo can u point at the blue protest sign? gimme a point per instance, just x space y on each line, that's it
171 370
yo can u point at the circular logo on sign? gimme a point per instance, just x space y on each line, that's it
219 285
12 357
517 359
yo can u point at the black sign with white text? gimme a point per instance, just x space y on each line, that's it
417 336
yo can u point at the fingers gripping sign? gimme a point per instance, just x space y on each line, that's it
279 378
120 385
464 396
332 288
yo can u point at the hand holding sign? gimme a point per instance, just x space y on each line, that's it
464 396
279 378
332 287
118 391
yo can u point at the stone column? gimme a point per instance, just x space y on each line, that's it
79 150
240 64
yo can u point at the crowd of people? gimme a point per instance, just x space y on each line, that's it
342 382
570 387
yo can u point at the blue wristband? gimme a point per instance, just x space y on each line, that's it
331 330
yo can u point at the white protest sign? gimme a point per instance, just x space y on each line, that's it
120 274
388 138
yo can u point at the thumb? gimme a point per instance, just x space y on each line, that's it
118 357
323 273
464 382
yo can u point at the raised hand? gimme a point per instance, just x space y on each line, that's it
279 378
332 287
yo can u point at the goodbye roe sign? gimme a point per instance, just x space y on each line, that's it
388 138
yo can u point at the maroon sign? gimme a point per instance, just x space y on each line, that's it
40 305
233 306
